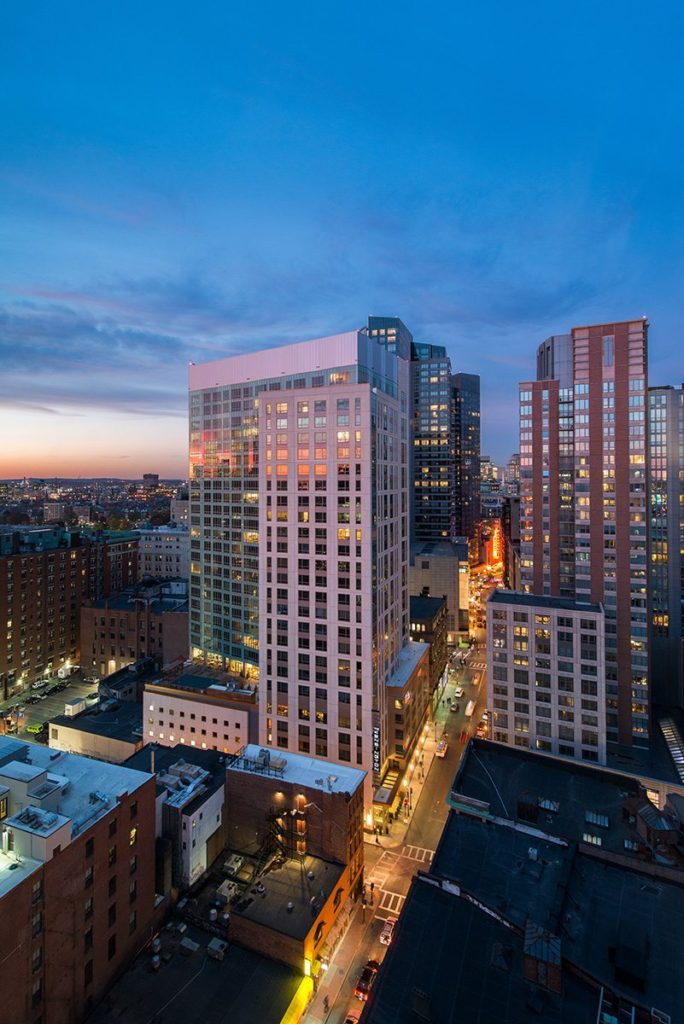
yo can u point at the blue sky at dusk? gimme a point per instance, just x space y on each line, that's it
181 182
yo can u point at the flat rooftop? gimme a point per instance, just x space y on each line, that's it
77 777
208 685
286 884
244 988
122 723
542 601
326 776
409 658
451 962
552 794
425 607
441 549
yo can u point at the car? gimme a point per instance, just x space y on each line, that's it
353 1017
366 980
91 679
454 706
442 748
387 931
35 727
459 692
39 684
92 697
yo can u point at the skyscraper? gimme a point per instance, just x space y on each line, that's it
666 525
299 540
583 497
433 437
466 393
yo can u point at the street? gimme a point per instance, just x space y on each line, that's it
49 707
409 847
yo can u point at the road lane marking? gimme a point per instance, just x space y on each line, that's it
391 901
419 853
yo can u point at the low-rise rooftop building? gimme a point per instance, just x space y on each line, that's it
110 730
76 878
568 881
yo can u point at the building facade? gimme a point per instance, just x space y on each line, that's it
466 393
149 620
443 570
299 537
546 674
666 525
433 514
199 711
584 497
164 552
76 879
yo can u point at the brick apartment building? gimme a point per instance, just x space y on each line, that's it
76 879
45 576
149 619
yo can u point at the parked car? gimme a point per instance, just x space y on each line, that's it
387 931
35 727
454 706
459 692
366 980
91 679
442 748
39 684
92 698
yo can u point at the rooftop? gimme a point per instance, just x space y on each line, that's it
441 549
542 601
298 769
121 722
450 962
554 795
210 685
304 886
158 598
76 789
187 774
423 608
243 988
409 658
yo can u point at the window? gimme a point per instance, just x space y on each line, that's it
134 810
88 973
112 828
89 847
133 836
37 892
132 891
37 959
111 915
594 818
88 908
132 921
111 857
37 924
37 992
111 947
88 940
89 877
112 885
589 837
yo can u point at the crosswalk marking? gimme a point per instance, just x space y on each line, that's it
383 869
392 902
419 853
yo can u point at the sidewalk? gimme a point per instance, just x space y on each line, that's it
416 779
334 978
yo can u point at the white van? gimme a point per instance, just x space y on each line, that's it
67 670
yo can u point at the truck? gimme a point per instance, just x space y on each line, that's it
66 671
470 709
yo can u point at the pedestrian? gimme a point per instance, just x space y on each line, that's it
326 1004
377 839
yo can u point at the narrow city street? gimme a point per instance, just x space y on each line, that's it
393 860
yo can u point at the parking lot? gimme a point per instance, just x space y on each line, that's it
40 707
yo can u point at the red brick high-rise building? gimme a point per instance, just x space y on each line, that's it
583 492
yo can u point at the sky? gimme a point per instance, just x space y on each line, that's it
183 182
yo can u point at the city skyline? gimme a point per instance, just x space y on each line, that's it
243 185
